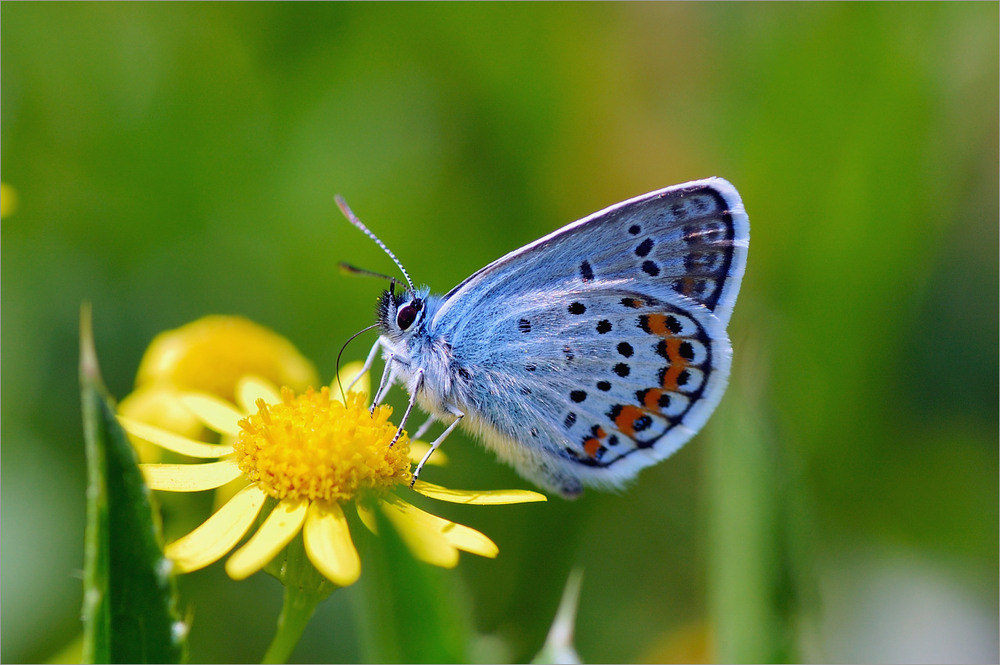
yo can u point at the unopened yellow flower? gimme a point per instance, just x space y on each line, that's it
214 352
208 355
314 454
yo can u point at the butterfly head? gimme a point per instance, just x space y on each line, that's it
398 316
401 314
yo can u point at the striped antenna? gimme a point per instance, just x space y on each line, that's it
354 270
353 219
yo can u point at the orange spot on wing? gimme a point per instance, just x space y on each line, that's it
670 376
673 347
687 286
677 363
627 417
591 446
658 325
652 399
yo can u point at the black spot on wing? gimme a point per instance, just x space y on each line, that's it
644 248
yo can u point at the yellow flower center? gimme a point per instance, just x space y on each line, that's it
314 447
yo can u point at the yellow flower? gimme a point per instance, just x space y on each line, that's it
314 455
208 355
214 352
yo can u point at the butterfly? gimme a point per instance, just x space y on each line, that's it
587 355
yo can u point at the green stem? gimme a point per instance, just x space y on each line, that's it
756 528
304 588
298 608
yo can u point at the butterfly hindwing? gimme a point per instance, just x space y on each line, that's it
604 382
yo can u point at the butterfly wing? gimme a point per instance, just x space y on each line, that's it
587 390
689 239
601 349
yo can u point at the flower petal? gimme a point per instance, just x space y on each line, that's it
219 533
477 497
277 531
174 442
469 540
418 449
250 388
327 539
458 535
190 477
425 540
216 413
159 405
368 517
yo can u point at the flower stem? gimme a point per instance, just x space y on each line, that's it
304 588
298 608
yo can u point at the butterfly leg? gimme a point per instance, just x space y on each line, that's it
368 364
409 407
384 384
437 442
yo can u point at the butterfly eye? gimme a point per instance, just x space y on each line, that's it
407 314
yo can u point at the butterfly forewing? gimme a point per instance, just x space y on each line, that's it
689 240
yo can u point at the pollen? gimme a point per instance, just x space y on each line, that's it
313 447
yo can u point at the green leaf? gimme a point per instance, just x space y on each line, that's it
129 607
409 611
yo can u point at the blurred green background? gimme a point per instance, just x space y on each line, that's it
173 161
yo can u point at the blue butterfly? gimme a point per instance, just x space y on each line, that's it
588 354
